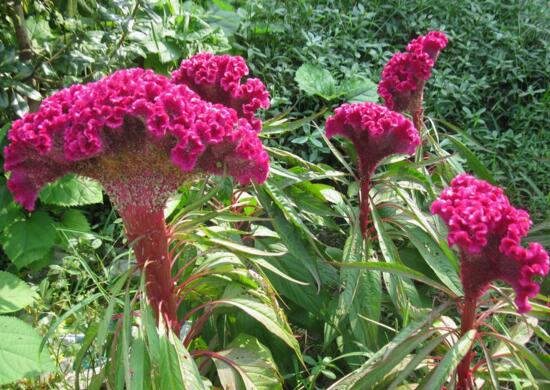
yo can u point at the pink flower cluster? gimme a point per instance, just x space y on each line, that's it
375 131
218 80
404 76
131 112
488 230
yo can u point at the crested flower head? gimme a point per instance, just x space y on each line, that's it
431 44
404 76
488 230
140 134
218 80
375 131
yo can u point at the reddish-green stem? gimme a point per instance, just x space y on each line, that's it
468 322
365 209
147 232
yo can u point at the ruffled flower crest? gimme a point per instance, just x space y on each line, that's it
404 76
488 230
141 134
376 133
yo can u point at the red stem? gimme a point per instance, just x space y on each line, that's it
365 209
147 232
467 323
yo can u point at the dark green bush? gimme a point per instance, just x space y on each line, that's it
492 80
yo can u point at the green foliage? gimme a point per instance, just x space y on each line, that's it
29 240
276 282
15 294
491 80
315 80
19 351
72 190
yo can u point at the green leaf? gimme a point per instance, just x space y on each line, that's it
397 269
284 126
436 259
140 366
28 91
185 364
19 104
362 291
407 334
255 364
297 245
72 190
29 240
415 361
267 316
473 162
357 89
450 361
19 351
401 291
315 80
15 294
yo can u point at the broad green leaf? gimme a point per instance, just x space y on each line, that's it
358 89
15 294
401 290
450 361
72 190
29 240
19 104
315 80
362 291
255 366
28 91
140 366
188 369
297 245
169 369
19 351
436 259
267 316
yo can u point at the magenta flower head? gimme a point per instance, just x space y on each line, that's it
404 76
376 133
488 230
142 135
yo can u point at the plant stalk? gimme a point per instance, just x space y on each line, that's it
467 323
147 232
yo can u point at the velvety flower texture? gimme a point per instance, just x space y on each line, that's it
488 230
142 134
376 133
404 76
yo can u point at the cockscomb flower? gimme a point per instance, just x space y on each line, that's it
142 135
488 230
218 80
404 76
376 133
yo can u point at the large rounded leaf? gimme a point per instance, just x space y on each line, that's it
19 351
15 294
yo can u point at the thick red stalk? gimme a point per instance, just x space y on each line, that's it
365 208
467 321
147 233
